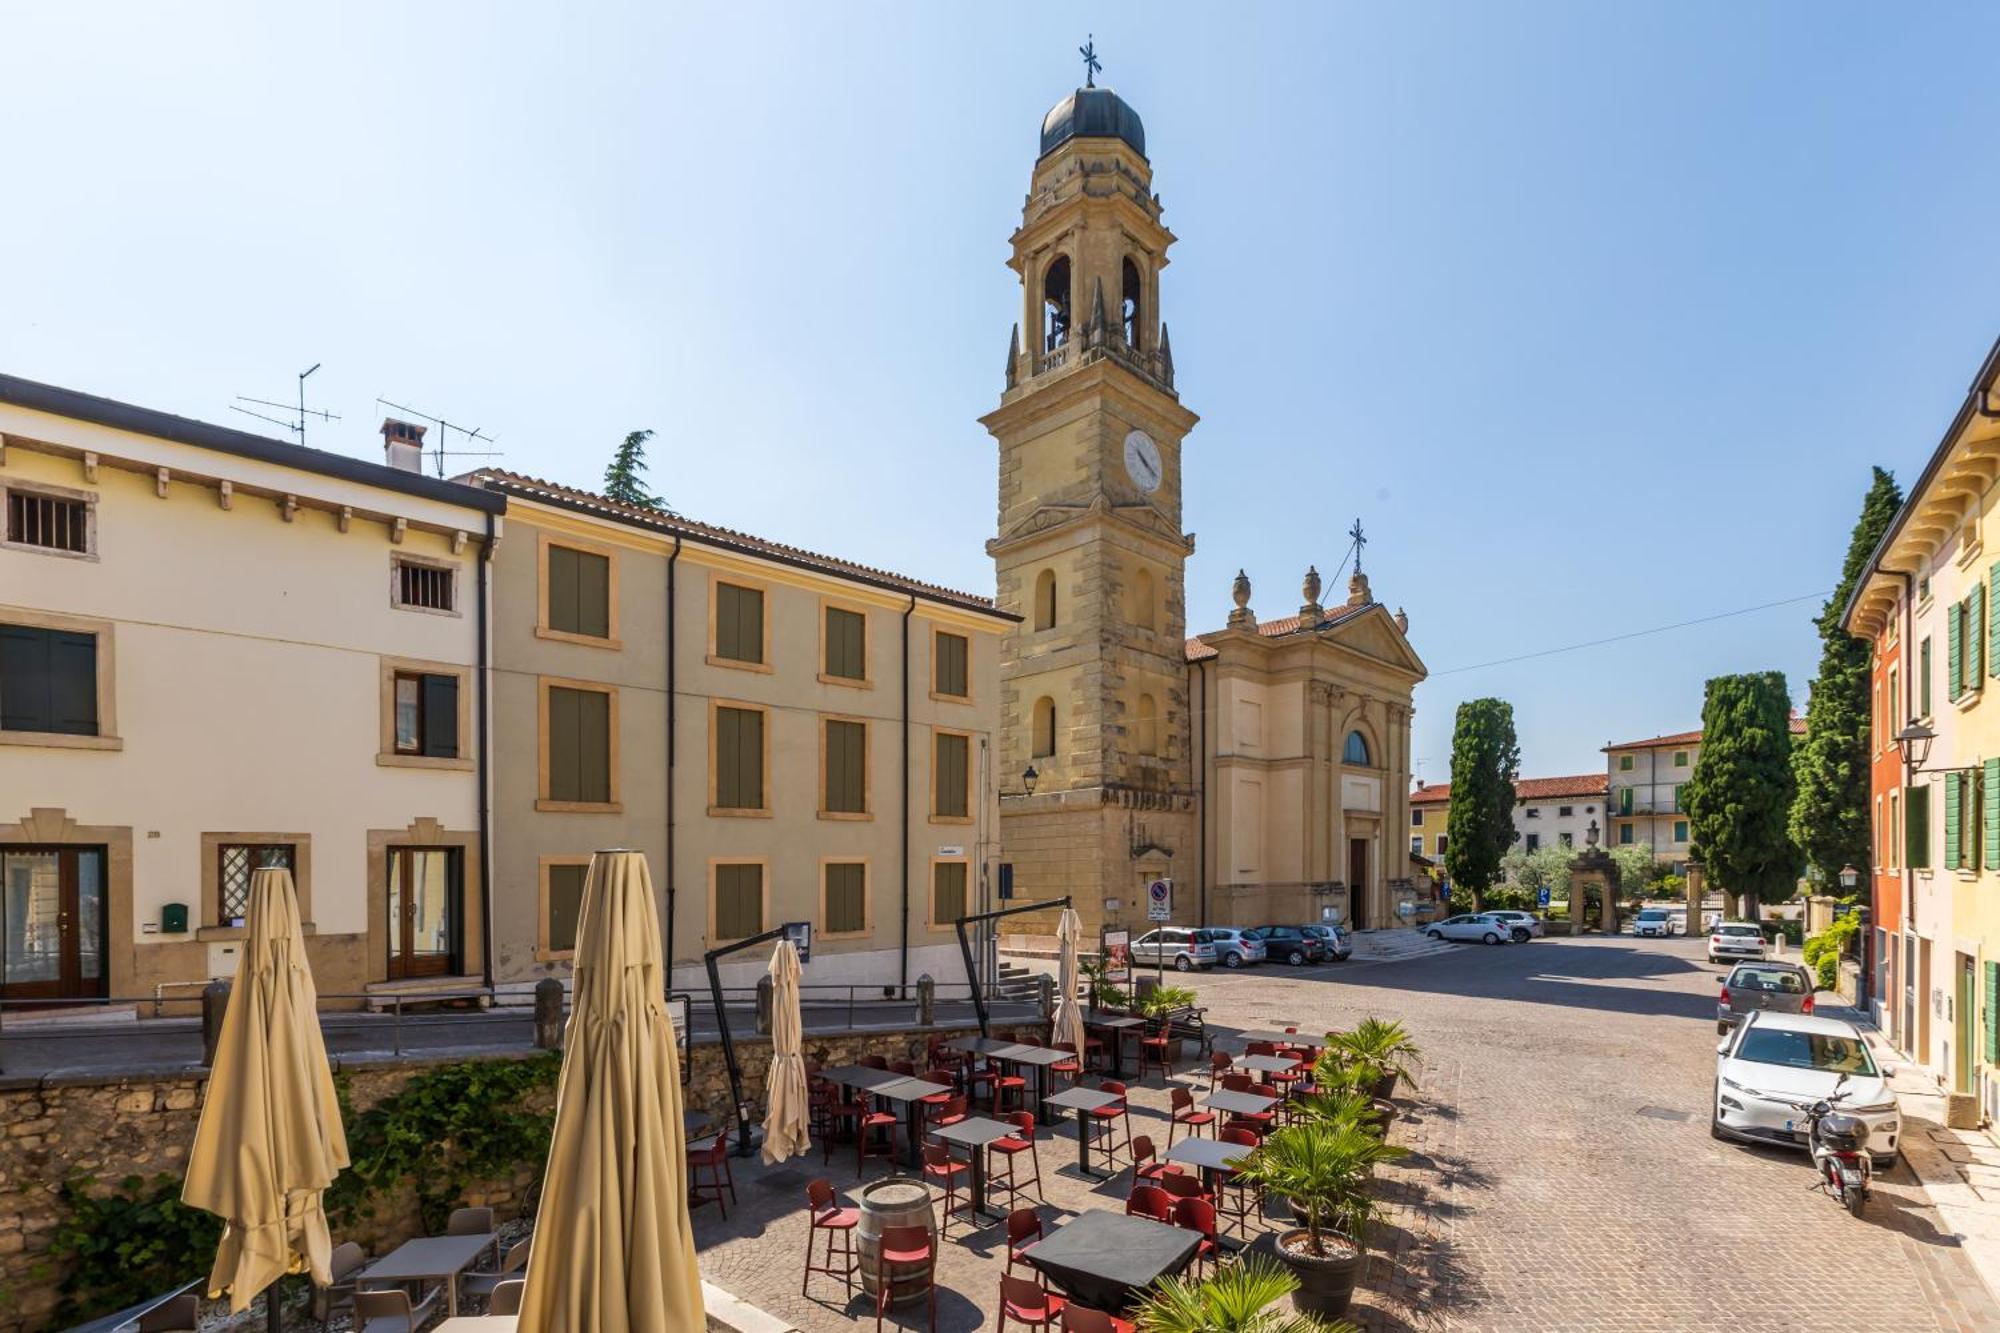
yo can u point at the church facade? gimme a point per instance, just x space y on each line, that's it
1262 767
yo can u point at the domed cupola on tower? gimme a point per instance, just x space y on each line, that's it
1092 113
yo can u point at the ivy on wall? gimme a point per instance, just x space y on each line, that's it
129 1245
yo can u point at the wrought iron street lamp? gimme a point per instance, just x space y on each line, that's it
1916 740
1849 877
1028 780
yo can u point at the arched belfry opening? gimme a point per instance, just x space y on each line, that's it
1056 304
1130 301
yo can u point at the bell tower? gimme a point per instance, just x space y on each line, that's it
1089 551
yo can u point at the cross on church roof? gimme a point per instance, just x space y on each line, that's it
1090 63
1360 540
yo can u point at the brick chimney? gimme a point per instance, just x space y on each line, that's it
403 445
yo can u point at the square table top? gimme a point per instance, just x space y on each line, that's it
975 1132
1034 1055
1283 1038
1126 1022
1212 1154
904 1089
427 1257
1112 1248
1243 1103
1083 1099
985 1046
1267 1064
858 1076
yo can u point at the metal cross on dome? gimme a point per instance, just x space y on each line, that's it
1090 63
1360 540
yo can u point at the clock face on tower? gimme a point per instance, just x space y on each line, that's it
1142 461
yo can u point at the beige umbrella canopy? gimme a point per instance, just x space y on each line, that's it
785 1086
614 1248
270 1140
1068 1018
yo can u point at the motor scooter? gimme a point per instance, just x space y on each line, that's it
1839 1144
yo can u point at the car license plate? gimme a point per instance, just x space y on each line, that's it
1788 1127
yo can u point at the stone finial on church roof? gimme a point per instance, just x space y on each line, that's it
1242 617
1310 610
1402 621
1357 590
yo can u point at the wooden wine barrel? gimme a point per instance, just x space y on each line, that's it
898 1201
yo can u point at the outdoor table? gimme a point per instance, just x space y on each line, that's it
1115 1028
975 1133
909 1093
859 1077
1267 1064
1040 1058
985 1046
1240 1103
1211 1155
429 1259
1083 1101
1284 1039
1105 1259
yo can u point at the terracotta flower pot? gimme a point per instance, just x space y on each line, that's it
1385 1087
1326 1282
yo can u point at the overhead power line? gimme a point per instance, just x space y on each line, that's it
1634 634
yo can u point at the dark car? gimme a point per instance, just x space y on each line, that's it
1781 988
1289 944
1333 938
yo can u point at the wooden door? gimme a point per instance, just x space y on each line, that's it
424 912
1357 881
52 922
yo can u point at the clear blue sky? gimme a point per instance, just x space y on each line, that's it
1595 315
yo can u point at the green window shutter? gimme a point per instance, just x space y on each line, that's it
562 588
1968 822
593 595
846 897
1975 635
949 756
739 901
739 759
950 676
846 767
441 716
564 765
739 623
579 745
846 644
1989 813
1917 827
1951 798
947 892
565 906
1993 621
1991 1017
1954 655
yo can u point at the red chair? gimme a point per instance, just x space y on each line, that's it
1118 1116
1021 1141
1239 1125
904 1245
1233 1197
1024 1228
1185 1115
1218 1065
1233 1082
904 1067
837 1224
1068 1070
1182 1186
940 1057
875 1062
950 1113
1010 1093
1199 1215
945 1171
1024 1301
1153 1047
1146 1164
1150 1201
1083 1319
714 1159
866 1142
843 1119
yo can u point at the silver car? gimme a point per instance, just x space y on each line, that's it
1184 949
1479 927
1233 947
1524 925
1775 988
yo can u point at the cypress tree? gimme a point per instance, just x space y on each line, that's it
1829 818
1740 795
622 475
1479 825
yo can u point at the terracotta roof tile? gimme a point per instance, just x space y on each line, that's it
1525 789
1688 738
534 488
1277 629
1437 793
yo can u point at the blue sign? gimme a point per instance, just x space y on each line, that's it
1542 898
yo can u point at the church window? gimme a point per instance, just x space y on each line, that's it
1147 716
1056 304
1356 751
1044 728
1045 599
1128 306
1143 599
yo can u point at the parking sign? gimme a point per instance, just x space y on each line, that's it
1160 900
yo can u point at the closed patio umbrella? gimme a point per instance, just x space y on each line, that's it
785 1133
1068 1017
614 1247
269 1141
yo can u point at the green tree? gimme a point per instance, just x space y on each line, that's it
1637 868
1479 826
1829 817
622 475
1740 795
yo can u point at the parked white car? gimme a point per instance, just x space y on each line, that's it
1735 939
1483 927
1653 921
1519 922
1773 1066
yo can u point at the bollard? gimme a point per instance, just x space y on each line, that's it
764 1005
548 1014
214 1004
1045 996
926 1001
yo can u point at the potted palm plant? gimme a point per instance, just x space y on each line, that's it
1104 992
1383 1047
1322 1168
1159 1007
1238 1299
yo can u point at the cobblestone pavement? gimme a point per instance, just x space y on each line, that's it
1563 1175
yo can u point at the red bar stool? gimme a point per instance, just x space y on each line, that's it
1233 1198
1153 1052
1218 1065
1146 1164
714 1160
1198 1215
954 1110
904 1245
1024 1301
945 1171
1010 1093
837 1224
1182 1186
1068 1070
1185 1116
1115 1117
865 1143
1021 1141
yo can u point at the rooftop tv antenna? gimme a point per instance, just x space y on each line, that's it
472 434
297 425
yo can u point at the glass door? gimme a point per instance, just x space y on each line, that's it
424 911
52 922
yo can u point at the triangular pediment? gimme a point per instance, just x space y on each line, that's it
1373 633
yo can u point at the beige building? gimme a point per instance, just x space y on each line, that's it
1643 800
219 651
1261 768
787 736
